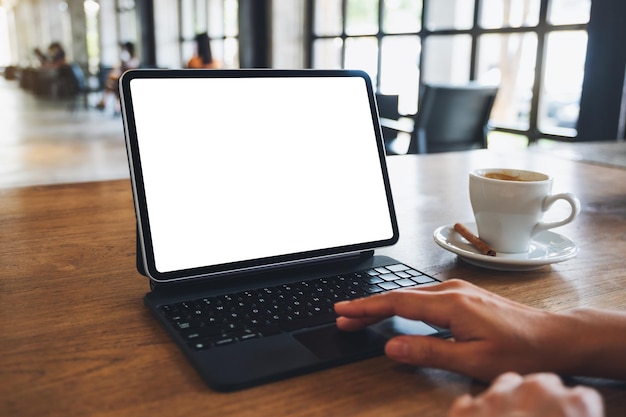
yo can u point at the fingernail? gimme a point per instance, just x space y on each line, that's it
397 349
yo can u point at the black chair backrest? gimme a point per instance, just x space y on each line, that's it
388 109
452 118
388 106
79 77
72 80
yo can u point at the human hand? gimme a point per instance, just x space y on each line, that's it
492 334
535 395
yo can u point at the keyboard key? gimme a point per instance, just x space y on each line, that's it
312 321
423 279
248 336
405 282
373 289
200 345
388 277
388 285
373 280
225 341
397 267
193 336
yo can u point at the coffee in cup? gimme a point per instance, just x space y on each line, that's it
509 205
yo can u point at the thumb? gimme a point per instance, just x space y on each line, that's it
428 351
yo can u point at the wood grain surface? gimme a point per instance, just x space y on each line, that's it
76 340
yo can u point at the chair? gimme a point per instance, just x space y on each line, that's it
76 85
391 121
387 111
388 106
452 118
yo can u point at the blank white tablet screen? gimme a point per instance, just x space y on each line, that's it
247 168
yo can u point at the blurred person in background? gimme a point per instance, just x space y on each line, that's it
128 61
203 58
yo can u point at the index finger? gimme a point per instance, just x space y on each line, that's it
434 307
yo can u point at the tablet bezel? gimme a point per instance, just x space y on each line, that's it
139 193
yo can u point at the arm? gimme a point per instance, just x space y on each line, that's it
486 326
535 395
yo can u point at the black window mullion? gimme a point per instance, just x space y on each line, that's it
344 36
309 19
474 34
423 35
379 38
541 31
180 31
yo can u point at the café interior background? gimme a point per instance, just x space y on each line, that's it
537 51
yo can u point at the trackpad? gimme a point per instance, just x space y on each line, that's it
330 343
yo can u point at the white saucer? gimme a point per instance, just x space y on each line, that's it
546 248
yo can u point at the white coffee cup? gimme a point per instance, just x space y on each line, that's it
509 205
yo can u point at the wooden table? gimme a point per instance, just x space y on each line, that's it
76 339
612 153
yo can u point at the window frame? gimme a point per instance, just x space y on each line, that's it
542 30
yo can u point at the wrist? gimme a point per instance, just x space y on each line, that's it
592 342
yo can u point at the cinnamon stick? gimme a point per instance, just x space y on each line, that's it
484 248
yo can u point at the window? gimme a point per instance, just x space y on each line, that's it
127 20
219 19
534 50
178 23
92 8
509 59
